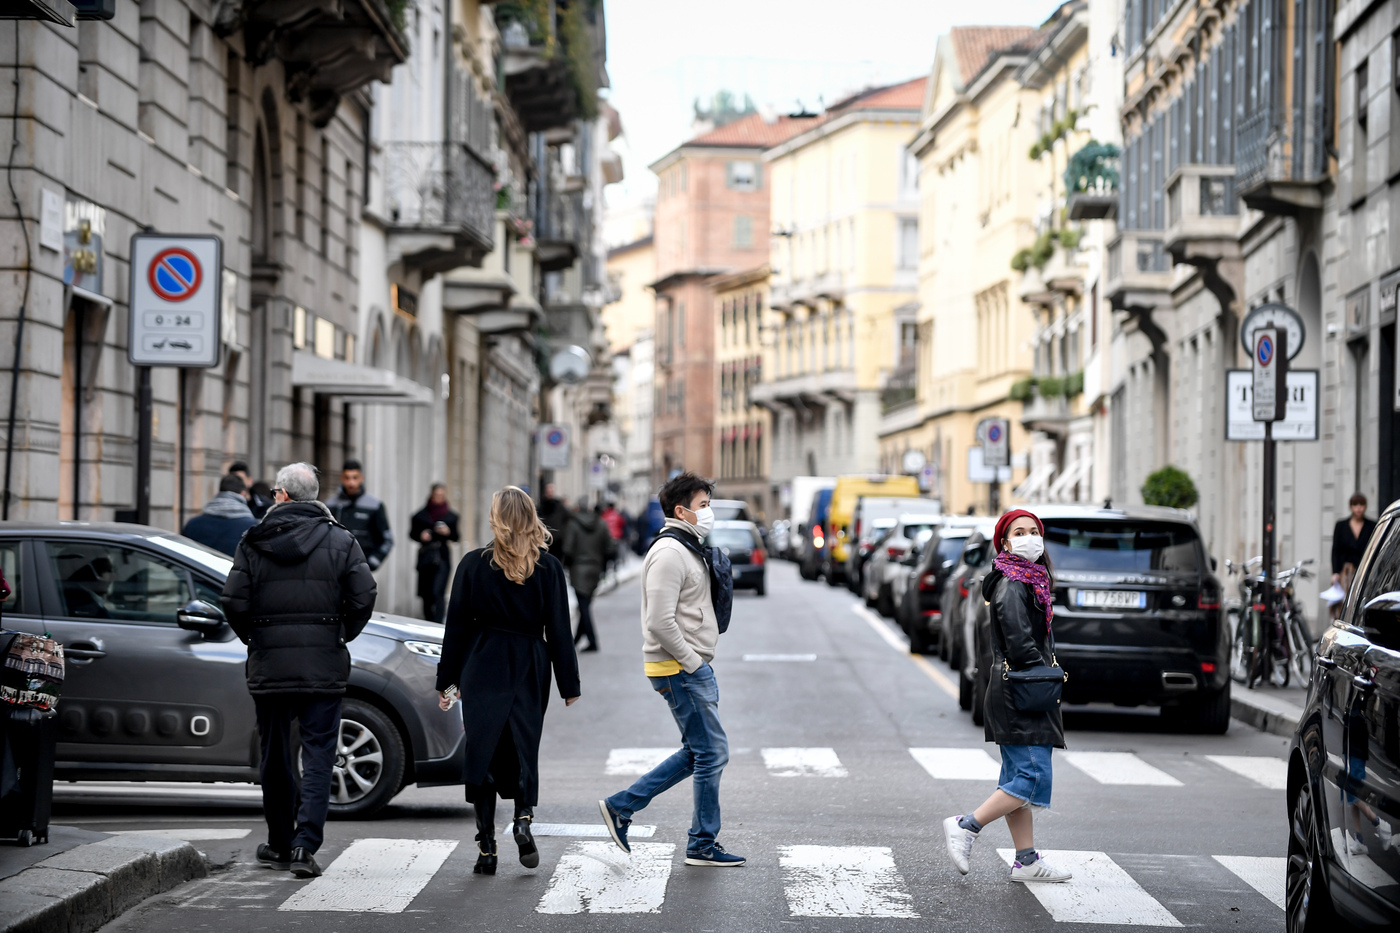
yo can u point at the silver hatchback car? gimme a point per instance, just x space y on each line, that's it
155 685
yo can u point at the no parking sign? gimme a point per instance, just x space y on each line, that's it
176 285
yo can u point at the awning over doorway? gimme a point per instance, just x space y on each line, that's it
356 383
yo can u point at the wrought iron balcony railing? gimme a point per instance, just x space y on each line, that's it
1281 160
440 187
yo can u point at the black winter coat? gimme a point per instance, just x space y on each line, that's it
499 643
587 546
1019 637
299 590
368 520
433 553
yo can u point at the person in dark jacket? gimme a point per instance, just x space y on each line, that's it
299 590
1350 537
507 625
588 545
224 519
259 495
556 517
363 514
1019 592
434 526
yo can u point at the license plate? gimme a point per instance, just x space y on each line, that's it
1111 599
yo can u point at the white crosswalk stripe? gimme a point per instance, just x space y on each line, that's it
599 878
1263 873
1119 768
374 875
843 881
957 764
803 762
1100 892
1261 769
636 761
586 830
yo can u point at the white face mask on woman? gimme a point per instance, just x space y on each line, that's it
1028 546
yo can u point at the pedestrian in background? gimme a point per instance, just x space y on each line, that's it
224 519
1019 591
1349 539
587 548
259 494
434 527
363 514
555 516
617 528
507 626
679 635
299 590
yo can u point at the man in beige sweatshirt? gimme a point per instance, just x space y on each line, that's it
679 634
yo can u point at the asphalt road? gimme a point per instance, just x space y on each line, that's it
846 756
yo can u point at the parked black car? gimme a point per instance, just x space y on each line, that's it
748 558
155 685
919 612
1344 760
1137 614
975 560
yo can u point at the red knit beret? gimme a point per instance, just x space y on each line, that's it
1005 521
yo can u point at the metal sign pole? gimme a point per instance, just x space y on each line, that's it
1270 446
144 413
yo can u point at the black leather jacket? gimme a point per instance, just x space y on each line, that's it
1018 637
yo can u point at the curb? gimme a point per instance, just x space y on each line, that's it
80 890
1268 714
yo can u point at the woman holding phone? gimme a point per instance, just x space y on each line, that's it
507 627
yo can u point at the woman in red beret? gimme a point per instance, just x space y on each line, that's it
1019 592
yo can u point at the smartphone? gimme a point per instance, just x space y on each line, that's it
453 695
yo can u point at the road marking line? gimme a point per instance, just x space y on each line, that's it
374 875
1265 874
1119 768
843 881
185 835
1263 770
599 878
957 764
803 762
901 644
636 761
589 830
1100 892
780 657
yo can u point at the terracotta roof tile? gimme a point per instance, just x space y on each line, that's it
974 46
754 131
907 95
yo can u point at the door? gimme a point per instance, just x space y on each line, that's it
1375 817
21 611
140 690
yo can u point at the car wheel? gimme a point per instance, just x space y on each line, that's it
884 602
369 761
762 588
1207 713
832 578
918 639
943 649
964 691
979 697
1307 902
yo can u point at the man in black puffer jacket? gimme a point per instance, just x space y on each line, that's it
299 590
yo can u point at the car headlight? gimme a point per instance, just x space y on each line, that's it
428 649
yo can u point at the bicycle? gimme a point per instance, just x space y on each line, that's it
1240 621
1298 641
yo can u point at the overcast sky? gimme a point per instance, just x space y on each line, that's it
664 54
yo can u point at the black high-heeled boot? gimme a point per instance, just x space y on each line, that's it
486 860
529 852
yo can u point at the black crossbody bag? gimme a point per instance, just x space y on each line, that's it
1035 689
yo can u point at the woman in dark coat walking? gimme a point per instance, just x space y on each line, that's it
434 526
1019 591
587 546
507 625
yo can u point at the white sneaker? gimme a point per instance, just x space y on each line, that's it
1384 834
1038 872
959 843
1355 846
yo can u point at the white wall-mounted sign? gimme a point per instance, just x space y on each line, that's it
554 446
1270 368
1300 413
995 437
979 472
175 300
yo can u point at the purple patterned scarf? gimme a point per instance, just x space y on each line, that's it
1024 571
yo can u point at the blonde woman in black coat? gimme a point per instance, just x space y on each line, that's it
507 626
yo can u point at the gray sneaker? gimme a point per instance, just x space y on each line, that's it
1038 872
959 842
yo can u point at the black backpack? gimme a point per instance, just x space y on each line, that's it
721 574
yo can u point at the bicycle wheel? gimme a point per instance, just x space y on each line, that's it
1280 666
1256 651
1239 650
1302 647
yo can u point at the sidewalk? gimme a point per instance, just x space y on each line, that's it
80 880
1268 708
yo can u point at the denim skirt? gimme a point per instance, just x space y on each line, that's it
1025 773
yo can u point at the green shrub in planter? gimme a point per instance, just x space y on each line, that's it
1049 386
1022 389
1074 384
1170 487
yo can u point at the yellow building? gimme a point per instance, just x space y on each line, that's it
844 211
627 322
632 312
977 192
742 316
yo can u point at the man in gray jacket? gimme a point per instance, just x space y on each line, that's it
679 634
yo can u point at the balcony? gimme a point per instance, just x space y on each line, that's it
439 205
551 61
328 48
1203 219
1059 277
560 227
1139 271
901 389
810 390
1281 161
806 291
1091 178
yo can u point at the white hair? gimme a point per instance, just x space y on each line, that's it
298 481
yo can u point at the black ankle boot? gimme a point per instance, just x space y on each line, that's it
486 860
529 853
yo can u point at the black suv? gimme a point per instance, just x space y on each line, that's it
1344 763
1137 614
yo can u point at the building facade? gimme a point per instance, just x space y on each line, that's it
744 457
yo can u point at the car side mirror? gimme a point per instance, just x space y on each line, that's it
1380 620
204 618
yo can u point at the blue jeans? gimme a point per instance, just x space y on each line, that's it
694 701
1026 773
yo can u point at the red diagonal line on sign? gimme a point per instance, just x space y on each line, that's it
165 264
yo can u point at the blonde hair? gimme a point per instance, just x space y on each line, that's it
519 533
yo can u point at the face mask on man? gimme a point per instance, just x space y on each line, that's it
704 520
1028 546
